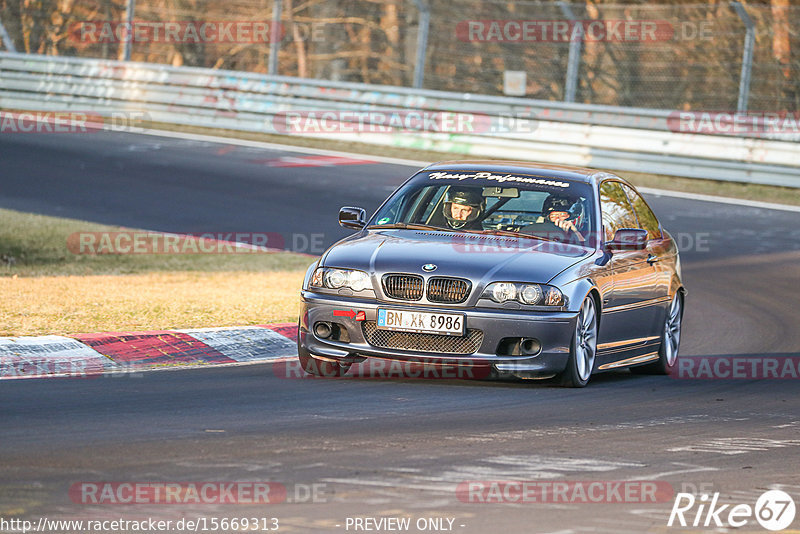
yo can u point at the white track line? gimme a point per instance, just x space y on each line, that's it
275 146
418 164
720 200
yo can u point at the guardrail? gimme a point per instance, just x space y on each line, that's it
625 139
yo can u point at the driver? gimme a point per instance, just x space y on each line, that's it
563 211
463 208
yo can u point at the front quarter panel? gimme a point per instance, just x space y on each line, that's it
583 277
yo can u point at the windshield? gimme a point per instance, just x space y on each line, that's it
484 202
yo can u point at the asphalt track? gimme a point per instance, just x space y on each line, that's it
394 448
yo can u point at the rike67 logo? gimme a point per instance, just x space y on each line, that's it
774 510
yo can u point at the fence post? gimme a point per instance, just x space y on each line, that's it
422 41
275 43
128 43
747 57
574 59
9 44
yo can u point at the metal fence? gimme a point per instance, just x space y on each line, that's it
625 139
681 55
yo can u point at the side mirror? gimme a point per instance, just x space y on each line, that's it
628 239
354 218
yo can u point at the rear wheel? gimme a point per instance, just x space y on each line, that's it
670 341
583 348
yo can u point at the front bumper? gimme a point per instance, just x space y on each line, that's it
554 330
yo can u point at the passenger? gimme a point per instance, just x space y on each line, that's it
564 212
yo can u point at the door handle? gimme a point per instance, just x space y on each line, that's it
651 259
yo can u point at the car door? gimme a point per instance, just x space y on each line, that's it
658 255
630 309
658 249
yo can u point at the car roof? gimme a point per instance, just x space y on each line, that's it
546 170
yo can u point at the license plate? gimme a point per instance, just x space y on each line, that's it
451 324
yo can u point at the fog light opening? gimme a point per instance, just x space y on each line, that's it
322 330
519 346
530 346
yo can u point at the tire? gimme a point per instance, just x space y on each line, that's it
316 367
583 348
670 342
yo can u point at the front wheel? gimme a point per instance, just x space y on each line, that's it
670 342
583 348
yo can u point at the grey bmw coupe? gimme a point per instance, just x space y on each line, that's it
525 269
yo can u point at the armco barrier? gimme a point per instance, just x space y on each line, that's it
626 139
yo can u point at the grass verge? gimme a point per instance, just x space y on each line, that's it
153 301
46 289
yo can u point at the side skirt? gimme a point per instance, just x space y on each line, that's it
634 360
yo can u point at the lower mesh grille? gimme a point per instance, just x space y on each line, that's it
433 343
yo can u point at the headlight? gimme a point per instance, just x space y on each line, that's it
326 277
502 292
335 278
316 278
553 297
359 281
529 294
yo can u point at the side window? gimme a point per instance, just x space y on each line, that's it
432 203
647 219
616 210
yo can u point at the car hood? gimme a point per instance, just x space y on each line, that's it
477 257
